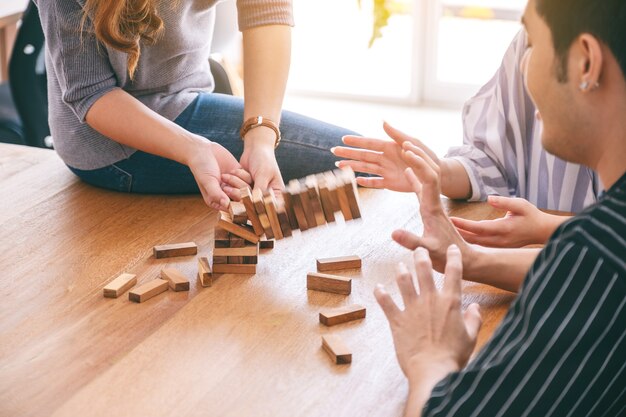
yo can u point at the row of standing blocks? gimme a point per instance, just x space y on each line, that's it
306 203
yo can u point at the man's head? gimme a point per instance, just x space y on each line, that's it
576 72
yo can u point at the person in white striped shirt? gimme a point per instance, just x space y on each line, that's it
501 156
561 348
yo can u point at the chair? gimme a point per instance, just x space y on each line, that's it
24 99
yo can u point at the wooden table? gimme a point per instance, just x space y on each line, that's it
248 346
10 14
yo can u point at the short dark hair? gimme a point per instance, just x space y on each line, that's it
567 19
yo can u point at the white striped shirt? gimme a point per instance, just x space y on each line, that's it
502 151
561 349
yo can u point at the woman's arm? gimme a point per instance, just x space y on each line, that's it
267 54
126 120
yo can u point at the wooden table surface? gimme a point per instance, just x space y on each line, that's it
248 346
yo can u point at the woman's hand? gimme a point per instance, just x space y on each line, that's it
207 162
259 160
524 224
431 335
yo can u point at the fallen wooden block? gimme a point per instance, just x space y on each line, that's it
238 212
234 269
120 285
328 283
337 263
248 250
270 209
246 199
246 232
266 244
204 272
175 249
342 315
336 349
148 290
176 280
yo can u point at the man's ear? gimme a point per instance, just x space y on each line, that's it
590 62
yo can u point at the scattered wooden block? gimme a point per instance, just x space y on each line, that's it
325 198
339 262
238 212
270 209
248 250
120 285
283 220
314 198
204 272
246 232
220 260
148 290
246 199
234 269
176 280
175 249
296 199
291 214
336 349
328 283
266 244
342 315
307 206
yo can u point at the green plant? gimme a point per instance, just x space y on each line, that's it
383 10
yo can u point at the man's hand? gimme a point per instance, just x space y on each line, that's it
524 224
431 335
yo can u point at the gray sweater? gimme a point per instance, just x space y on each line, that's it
168 77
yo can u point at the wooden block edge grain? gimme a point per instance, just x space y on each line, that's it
177 281
328 283
336 349
246 199
243 269
148 290
338 263
246 232
204 272
119 285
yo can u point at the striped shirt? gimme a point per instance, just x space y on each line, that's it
502 151
561 348
169 74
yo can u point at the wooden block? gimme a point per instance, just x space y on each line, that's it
283 219
250 260
246 232
307 206
296 199
221 238
235 260
344 203
246 199
267 227
270 209
204 272
328 283
177 281
331 183
342 315
234 269
339 262
236 242
314 198
220 260
175 249
349 185
293 221
148 290
248 250
257 200
266 244
325 199
238 212
120 285
336 349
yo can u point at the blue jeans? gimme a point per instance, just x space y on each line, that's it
303 150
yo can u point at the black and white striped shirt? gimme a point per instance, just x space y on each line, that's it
561 349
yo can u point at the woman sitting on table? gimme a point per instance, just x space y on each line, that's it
132 108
